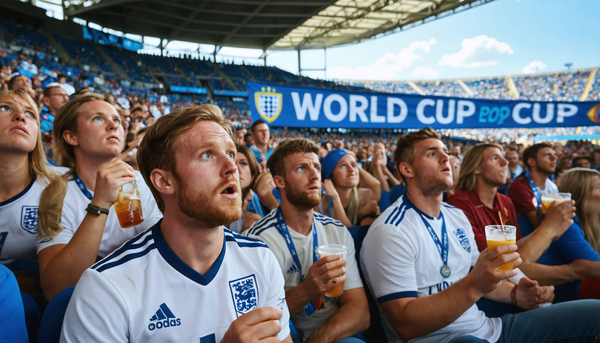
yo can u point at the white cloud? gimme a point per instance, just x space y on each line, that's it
477 52
384 68
534 67
425 73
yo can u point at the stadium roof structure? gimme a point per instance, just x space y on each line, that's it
265 24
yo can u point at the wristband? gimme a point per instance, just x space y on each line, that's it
96 210
513 295
572 273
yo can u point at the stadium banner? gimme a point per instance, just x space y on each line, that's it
281 105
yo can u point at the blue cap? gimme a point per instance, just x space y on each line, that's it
331 160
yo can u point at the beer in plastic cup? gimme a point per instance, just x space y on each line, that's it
129 204
547 199
495 237
337 250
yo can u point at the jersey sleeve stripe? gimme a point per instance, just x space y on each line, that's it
247 244
398 295
127 258
403 213
131 245
390 218
261 229
266 221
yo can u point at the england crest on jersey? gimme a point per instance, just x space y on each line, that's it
29 218
268 103
244 294
463 239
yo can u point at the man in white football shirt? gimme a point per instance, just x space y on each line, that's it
186 279
417 259
293 232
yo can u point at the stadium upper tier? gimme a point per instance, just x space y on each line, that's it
34 51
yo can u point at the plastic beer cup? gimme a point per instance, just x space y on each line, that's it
547 199
495 236
129 205
336 250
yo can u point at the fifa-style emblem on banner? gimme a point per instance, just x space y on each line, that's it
244 294
29 218
268 104
594 114
463 239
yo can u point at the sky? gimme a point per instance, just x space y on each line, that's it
504 37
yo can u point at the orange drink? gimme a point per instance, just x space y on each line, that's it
547 199
336 250
129 205
501 235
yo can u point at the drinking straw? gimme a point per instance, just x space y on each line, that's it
501 223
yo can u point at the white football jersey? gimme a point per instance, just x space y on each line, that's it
18 223
329 231
143 292
399 259
73 213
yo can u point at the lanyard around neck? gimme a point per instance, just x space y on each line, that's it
283 229
82 186
536 191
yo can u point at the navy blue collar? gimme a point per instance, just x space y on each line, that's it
23 192
169 255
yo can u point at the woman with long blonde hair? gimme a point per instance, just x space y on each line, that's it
582 240
24 173
78 223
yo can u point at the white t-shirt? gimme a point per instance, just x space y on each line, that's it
143 292
18 223
549 187
399 259
329 231
73 213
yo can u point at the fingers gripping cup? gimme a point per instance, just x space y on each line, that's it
129 205
548 199
501 235
335 250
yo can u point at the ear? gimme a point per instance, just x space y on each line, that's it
406 170
45 101
70 138
163 181
477 171
279 182
531 162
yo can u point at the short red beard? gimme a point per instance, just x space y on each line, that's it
202 206
301 199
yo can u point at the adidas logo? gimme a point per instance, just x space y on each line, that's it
164 318
293 269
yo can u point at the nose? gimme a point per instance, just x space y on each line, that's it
19 116
503 161
315 175
229 167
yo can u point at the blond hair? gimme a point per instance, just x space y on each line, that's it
577 181
38 164
471 161
51 201
159 146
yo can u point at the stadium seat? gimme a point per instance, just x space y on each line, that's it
375 333
396 192
52 320
524 225
384 201
32 315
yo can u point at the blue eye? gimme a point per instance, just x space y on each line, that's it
301 169
318 169
98 119
30 114
4 108
206 155
117 121
230 154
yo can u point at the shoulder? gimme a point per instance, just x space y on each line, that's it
458 198
243 241
395 214
453 212
269 222
137 247
325 220
505 200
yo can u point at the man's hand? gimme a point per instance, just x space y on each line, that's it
109 180
323 276
560 217
530 294
261 325
485 276
338 144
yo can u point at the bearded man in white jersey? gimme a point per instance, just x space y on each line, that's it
422 264
187 279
